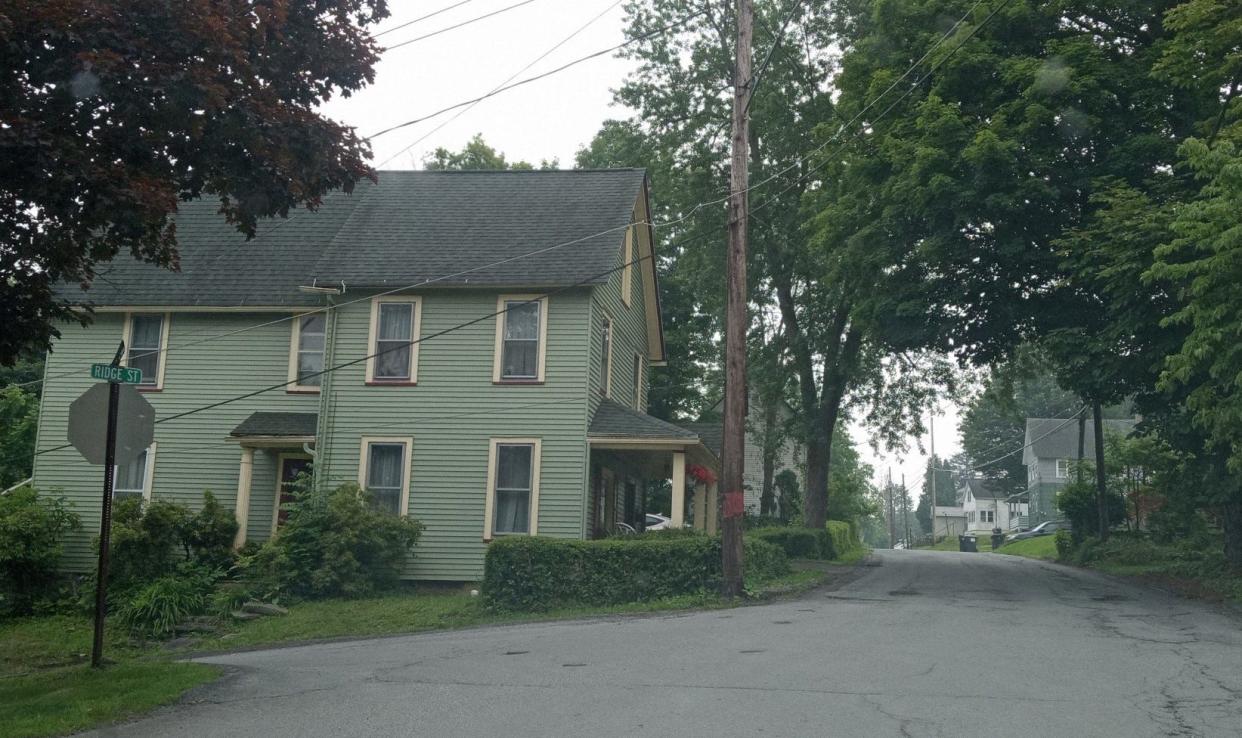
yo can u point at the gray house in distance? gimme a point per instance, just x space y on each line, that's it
1051 447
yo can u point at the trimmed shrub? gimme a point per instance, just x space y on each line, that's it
334 543
531 573
31 530
841 540
797 543
208 534
1078 501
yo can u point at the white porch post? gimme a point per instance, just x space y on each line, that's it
679 489
700 506
242 511
713 512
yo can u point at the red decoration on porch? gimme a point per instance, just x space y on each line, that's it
734 504
700 474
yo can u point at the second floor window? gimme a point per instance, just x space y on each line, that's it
146 338
393 347
638 381
520 342
605 348
311 331
1063 466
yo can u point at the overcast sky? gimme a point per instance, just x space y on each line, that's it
548 119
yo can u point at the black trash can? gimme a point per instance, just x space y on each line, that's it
998 538
967 543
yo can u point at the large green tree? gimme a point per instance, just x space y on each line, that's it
113 111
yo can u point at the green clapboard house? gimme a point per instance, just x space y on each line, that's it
472 347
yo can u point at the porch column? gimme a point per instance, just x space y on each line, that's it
713 511
679 489
700 506
242 511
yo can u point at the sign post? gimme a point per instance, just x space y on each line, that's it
127 432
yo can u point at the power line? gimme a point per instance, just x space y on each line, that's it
528 80
509 79
694 209
454 27
754 80
422 18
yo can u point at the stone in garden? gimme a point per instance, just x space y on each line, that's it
239 615
264 608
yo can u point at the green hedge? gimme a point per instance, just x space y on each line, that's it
531 573
841 539
797 543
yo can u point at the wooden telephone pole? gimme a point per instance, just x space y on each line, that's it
736 320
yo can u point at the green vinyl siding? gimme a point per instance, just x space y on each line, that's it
193 453
629 334
451 415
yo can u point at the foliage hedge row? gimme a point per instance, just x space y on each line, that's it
835 540
533 573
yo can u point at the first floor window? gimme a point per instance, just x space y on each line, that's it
146 337
1063 468
130 480
311 331
514 484
385 478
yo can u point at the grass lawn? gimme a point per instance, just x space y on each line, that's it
982 542
1043 548
47 687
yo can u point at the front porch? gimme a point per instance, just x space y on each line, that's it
634 459
275 450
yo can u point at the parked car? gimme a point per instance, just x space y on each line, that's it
1046 528
656 521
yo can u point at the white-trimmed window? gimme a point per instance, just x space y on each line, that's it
306 351
395 326
146 340
1063 466
521 338
384 471
627 272
638 382
134 479
513 487
987 516
605 357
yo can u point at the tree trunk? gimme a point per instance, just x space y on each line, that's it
815 503
1232 514
1101 482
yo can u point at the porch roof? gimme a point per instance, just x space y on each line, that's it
614 421
277 425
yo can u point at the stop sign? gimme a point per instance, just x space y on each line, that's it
88 423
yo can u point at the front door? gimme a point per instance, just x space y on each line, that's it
290 468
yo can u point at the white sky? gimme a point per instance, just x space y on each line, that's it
551 118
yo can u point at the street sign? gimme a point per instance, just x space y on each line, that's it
118 374
135 423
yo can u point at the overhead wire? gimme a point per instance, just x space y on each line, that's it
421 18
454 27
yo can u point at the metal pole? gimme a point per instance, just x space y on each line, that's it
105 518
931 429
1101 483
736 320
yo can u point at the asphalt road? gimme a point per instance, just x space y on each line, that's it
923 644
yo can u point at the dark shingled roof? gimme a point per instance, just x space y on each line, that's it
614 420
411 226
983 489
1055 438
277 424
711 433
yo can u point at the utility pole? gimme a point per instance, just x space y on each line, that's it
931 429
736 321
892 522
1097 412
905 508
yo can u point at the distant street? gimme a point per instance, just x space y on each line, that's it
923 644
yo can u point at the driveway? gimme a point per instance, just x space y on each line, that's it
923 644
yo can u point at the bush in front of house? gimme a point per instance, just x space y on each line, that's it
155 609
1078 501
797 543
530 573
31 531
333 543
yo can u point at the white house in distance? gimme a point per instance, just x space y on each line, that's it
987 506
